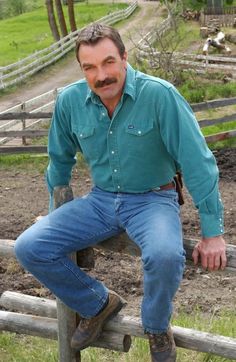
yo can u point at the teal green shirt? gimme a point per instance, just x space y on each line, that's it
152 133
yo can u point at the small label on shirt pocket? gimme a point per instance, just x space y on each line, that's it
139 129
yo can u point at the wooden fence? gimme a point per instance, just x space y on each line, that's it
198 63
16 72
59 322
225 16
39 116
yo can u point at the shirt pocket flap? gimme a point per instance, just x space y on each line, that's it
139 130
86 132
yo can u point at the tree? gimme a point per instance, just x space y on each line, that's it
16 7
61 18
215 6
71 14
52 19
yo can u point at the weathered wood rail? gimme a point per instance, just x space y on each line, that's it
40 115
16 72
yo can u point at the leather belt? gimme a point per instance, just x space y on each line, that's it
169 186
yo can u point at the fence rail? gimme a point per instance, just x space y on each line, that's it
16 72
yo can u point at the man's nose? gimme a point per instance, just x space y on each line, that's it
101 74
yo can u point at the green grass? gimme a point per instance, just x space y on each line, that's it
26 162
26 349
33 162
27 33
196 89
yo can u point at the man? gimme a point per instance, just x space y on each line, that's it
134 131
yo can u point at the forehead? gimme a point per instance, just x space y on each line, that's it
97 52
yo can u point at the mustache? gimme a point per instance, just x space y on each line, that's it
102 83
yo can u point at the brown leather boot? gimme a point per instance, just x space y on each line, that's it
162 347
90 329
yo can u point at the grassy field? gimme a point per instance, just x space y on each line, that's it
16 348
27 33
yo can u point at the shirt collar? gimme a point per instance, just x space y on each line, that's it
129 89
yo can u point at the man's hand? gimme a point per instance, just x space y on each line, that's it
212 253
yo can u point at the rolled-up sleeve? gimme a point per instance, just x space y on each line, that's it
186 144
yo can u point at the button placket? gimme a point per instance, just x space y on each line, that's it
113 155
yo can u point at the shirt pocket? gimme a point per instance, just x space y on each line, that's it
86 138
140 136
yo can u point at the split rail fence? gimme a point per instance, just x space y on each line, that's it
196 62
39 116
17 72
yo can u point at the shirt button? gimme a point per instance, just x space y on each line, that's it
110 132
118 187
81 135
103 114
115 170
139 132
113 152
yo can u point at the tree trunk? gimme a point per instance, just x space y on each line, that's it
61 18
52 20
71 14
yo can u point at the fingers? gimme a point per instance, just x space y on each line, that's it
195 255
223 261
211 259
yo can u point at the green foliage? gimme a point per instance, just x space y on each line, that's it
27 33
197 90
9 8
24 161
24 349
194 4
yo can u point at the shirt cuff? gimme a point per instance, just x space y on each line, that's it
211 225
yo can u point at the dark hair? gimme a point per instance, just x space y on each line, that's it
94 33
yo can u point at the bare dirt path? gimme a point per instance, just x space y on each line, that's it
68 70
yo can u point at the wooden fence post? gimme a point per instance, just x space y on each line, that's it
67 318
23 120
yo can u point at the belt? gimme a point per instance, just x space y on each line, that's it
169 186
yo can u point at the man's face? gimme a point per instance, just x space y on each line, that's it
104 70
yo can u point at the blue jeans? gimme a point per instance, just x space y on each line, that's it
150 219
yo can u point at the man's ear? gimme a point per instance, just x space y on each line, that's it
125 58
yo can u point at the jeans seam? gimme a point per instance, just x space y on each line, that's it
101 300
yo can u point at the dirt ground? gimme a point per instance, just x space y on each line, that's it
24 196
